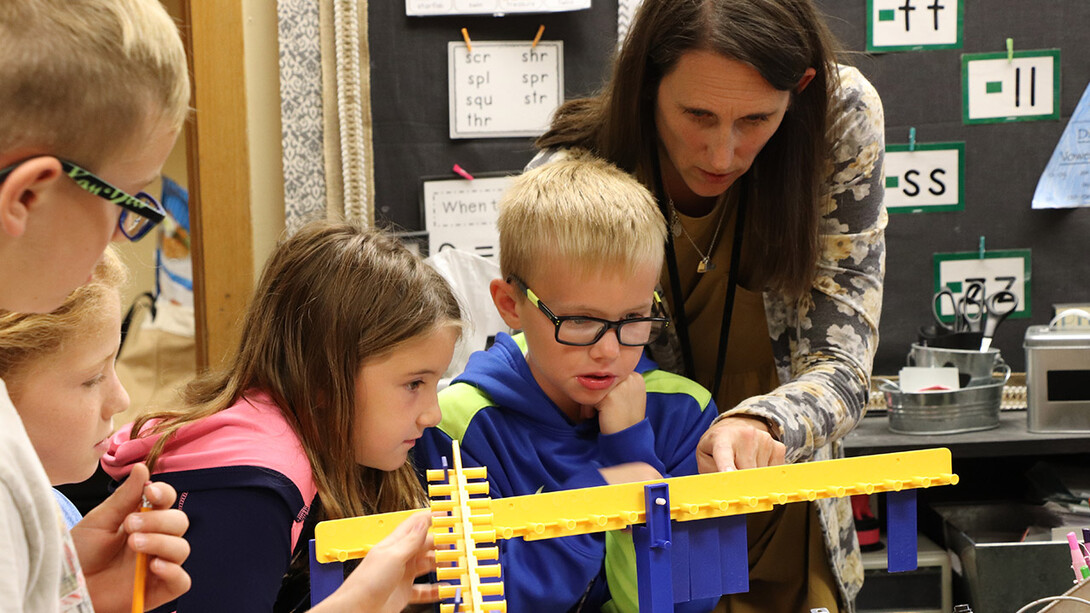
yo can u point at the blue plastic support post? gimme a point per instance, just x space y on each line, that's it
901 530
679 560
652 543
324 578
657 500
705 575
733 554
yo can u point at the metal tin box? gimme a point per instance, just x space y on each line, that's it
1057 379
992 565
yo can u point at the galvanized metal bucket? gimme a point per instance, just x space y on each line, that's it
975 366
945 412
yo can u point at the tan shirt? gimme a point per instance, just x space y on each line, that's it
749 369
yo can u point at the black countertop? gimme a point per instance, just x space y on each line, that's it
873 435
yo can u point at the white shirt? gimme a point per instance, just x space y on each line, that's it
38 567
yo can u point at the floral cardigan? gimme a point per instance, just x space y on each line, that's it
824 343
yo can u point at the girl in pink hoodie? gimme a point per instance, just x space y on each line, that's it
312 419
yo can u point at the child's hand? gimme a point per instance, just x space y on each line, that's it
624 406
738 442
630 472
109 537
383 582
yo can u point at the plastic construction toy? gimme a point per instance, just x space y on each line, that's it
689 532
458 536
462 494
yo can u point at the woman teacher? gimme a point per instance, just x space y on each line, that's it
765 155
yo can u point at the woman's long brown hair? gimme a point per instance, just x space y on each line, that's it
780 39
331 297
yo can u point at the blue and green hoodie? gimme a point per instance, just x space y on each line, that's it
503 420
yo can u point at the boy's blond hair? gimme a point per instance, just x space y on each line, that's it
26 338
81 79
583 210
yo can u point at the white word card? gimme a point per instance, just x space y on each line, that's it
462 214
508 88
926 179
1024 87
910 25
426 8
997 270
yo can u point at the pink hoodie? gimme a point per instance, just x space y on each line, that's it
253 432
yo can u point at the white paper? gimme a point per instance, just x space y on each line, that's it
504 88
626 11
1021 87
1066 180
462 214
426 8
997 274
469 276
897 23
918 378
923 178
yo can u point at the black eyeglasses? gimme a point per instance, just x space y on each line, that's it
140 213
582 331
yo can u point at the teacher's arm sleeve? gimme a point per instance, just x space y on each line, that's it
825 341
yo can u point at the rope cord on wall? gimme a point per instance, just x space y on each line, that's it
350 111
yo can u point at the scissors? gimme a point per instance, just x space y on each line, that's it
968 310
945 294
998 306
971 307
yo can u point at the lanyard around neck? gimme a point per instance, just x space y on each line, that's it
680 318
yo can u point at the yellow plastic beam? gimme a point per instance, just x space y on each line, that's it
612 507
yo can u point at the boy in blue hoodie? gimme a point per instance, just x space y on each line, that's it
572 401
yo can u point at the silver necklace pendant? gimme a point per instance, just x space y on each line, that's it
704 265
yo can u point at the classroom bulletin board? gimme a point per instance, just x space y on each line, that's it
997 163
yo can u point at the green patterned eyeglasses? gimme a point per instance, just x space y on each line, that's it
140 213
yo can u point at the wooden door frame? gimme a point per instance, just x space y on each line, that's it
219 175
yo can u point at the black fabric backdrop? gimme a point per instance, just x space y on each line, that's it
920 89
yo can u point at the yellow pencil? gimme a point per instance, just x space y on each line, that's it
141 569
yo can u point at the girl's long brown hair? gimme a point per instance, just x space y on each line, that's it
331 297
780 39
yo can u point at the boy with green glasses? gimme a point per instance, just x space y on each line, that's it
572 401
93 94
139 214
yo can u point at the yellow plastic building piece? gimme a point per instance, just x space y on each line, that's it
612 507
467 523
719 494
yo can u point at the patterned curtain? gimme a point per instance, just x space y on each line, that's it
325 111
